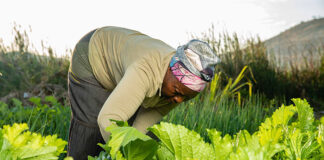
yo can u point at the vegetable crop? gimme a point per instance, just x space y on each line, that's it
290 133
18 144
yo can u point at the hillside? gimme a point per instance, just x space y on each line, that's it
301 39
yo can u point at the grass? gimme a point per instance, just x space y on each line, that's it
226 116
271 78
45 116
50 117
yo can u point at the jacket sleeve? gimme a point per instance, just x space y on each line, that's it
125 99
147 117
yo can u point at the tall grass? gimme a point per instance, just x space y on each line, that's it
271 79
227 116
45 116
50 117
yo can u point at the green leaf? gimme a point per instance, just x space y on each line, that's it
44 153
249 148
322 120
31 146
300 145
163 153
123 136
4 148
183 143
119 156
105 147
68 158
140 150
51 99
271 130
5 154
13 134
36 101
320 138
223 146
52 140
16 102
305 115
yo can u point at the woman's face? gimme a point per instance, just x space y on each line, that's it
174 91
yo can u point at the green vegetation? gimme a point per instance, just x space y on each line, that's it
227 116
22 69
18 144
279 137
45 117
271 79
50 117
249 85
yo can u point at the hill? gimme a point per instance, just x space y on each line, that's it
302 39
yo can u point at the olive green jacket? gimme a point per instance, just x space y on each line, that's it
132 65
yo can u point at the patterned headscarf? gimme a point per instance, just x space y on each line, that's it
194 64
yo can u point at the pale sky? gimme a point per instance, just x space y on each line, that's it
61 23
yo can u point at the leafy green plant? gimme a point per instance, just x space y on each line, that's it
129 142
232 88
290 133
18 144
46 116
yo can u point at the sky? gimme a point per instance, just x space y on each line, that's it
61 23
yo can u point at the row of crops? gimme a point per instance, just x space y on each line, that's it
281 136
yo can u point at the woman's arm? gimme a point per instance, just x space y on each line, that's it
125 99
147 117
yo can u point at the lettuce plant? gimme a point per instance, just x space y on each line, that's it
16 143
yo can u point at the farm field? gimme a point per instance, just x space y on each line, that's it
287 133
255 108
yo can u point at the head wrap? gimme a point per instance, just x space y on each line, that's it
194 64
187 78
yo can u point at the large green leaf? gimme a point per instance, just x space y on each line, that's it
163 153
320 137
126 139
140 150
271 130
249 148
4 148
301 145
223 146
305 115
22 144
183 143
